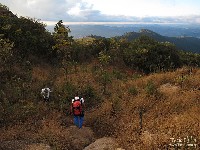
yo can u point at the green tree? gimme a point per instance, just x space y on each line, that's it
63 45
29 35
148 55
4 6
104 60
6 53
190 59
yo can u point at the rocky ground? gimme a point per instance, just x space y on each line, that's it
79 137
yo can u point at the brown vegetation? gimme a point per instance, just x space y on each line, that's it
141 112
169 110
166 102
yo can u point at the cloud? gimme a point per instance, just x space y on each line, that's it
42 9
54 10
92 11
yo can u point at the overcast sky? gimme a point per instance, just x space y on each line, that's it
174 11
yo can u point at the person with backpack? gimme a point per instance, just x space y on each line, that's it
77 109
46 93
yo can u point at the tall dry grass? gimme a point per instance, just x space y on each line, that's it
167 102
170 112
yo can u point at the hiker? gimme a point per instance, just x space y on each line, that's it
46 94
77 109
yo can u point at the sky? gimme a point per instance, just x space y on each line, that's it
149 11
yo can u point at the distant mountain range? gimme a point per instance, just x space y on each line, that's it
183 43
184 36
110 30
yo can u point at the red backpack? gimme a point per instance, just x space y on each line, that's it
77 108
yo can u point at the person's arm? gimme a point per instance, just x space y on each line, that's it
49 90
42 91
83 104
71 107
83 107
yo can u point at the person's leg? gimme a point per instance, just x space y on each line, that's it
76 120
44 98
81 119
47 99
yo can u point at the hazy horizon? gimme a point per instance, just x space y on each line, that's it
112 23
116 29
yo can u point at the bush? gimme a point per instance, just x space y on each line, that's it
133 90
151 88
119 75
90 95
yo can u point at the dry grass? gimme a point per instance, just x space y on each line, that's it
172 111
41 74
46 133
174 114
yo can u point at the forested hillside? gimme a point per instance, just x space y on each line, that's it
141 92
185 43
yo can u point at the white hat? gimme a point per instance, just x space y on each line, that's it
76 98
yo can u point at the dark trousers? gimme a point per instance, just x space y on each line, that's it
46 99
78 121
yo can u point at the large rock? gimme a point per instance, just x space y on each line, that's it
105 143
80 138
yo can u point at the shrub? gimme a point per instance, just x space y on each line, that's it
91 96
119 75
151 88
133 90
